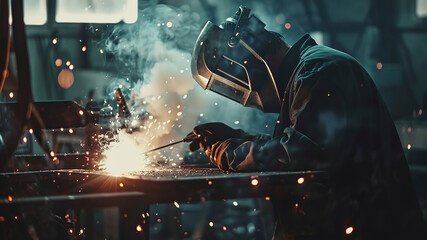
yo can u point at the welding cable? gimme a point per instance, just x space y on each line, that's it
4 41
24 104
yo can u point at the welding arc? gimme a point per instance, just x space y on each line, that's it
189 138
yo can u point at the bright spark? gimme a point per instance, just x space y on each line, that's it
254 182
124 156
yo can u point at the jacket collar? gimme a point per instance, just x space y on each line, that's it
291 61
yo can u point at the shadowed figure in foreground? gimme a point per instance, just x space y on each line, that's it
331 118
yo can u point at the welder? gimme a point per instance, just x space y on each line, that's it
331 118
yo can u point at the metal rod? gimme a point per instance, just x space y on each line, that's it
164 146
123 109
189 138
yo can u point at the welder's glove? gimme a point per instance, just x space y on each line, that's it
211 133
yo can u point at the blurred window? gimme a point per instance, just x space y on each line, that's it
96 11
35 12
422 8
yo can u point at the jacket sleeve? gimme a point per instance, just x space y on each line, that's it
291 151
317 128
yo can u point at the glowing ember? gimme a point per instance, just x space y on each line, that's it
349 230
11 94
300 180
139 228
81 112
84 49
121 185
52 154
25 139
71 67
70 130
267 198
31 131
254 182
10 198
55 40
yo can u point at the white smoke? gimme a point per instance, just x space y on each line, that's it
154 60
154 54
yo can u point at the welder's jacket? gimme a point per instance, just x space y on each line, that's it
333 119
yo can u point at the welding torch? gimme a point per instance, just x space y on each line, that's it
188 138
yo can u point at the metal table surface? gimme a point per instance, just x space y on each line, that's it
184 184
76 189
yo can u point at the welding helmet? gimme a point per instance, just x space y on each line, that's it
229 60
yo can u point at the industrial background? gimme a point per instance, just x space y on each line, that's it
84 50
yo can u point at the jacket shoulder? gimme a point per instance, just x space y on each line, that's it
318 59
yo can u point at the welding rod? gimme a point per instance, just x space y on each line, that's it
188 138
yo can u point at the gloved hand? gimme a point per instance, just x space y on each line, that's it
211 133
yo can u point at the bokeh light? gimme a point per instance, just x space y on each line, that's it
58 62
65 78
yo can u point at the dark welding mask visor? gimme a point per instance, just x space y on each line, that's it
213 70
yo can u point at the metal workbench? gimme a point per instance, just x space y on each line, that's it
133 194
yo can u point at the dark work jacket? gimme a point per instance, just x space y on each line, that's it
333 119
